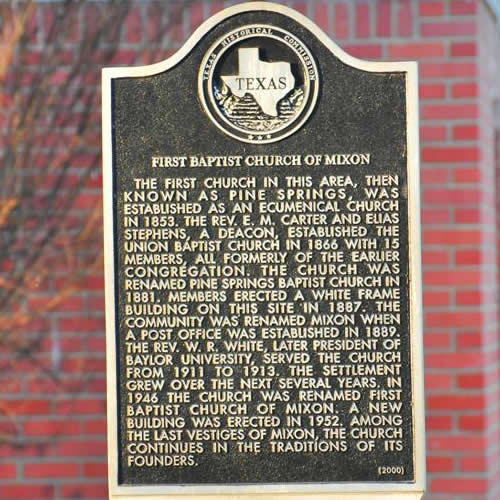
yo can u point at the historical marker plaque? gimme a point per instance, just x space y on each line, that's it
262 267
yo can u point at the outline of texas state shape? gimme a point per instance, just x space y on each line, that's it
267 82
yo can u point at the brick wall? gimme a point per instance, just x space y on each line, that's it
489 72
52 421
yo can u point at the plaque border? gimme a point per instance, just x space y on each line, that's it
262 491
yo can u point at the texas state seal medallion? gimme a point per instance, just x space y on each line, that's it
258 83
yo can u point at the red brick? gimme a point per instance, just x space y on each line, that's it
49 385
175 24
95 470
341 17
97 385
30 58
96 344
432 217
436 340
96 303
467 175
95 426
50 23
463 49
468 258
27 492
416 50
438 381
435 258
405 18
455 443
451 154
51 427
94 282
72 24
10 451
427 9
28 78
454 238
62 304
435 299
469 340
64 345
472 422
448 29
218 5
59 77
454 360
81 324
92 20
383 18
439 464
465 132
24 407
81 407
64 58
10 386
9 428
76 448
432 134
468 216
6 265
462 8
450 111
154 25
85 201
460 486
31 26
80 365
133 25
8 471
51 470
468 298
452 196
152 56
453 319
471 380
364 51
321 15
123 57
72 344
464 90
22 366
434 176
362 20
301 7
196 17
431 91
71 491
94 181
474 463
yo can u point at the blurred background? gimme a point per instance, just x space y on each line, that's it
52 342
